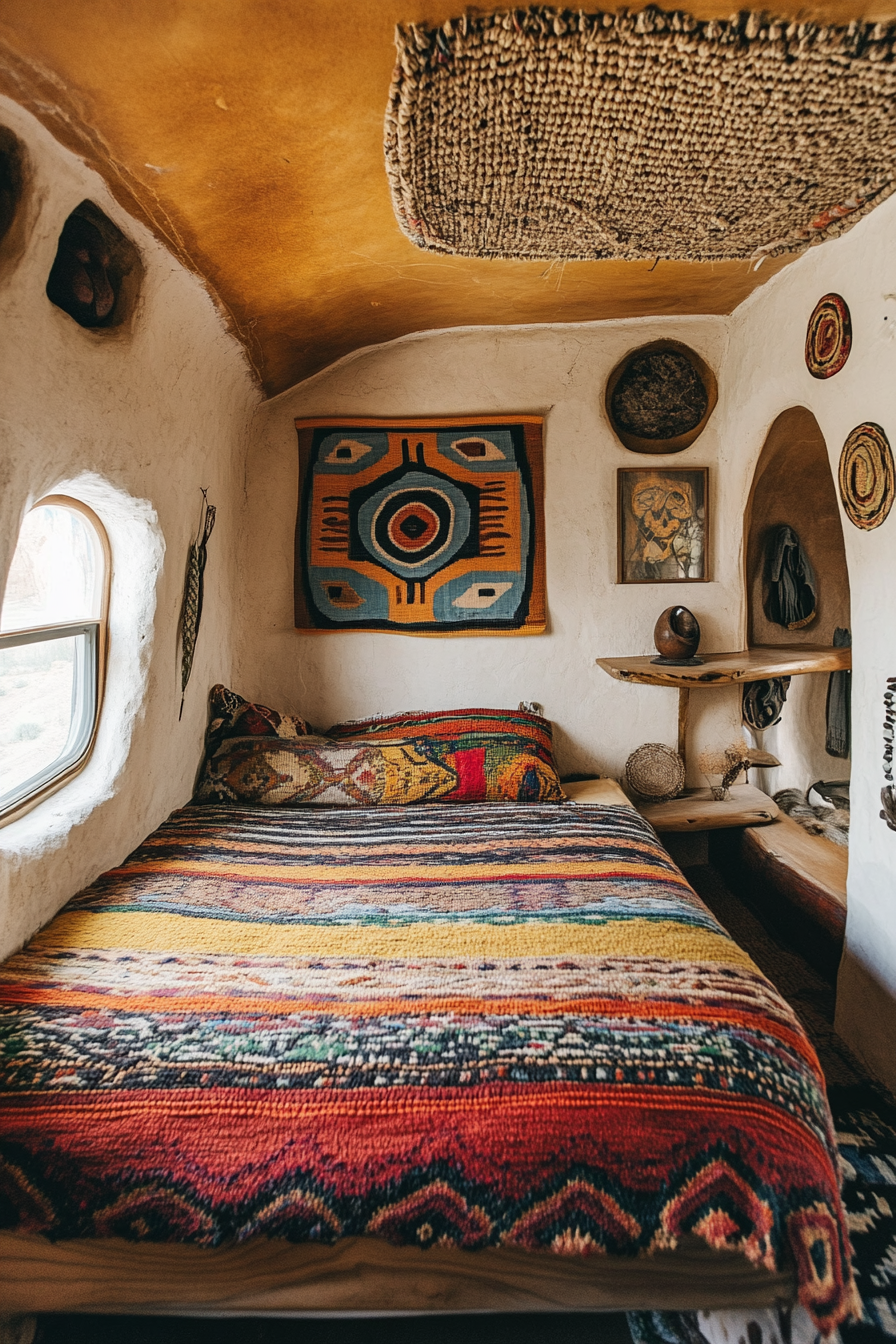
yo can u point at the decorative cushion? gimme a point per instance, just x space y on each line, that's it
451 723
366 772
232 716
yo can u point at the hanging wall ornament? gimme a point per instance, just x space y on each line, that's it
867 476
191 612
660 397
828 337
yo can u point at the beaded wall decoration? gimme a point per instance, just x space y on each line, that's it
828 337
888 792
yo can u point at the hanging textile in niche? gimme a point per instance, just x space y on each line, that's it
839 728
791 581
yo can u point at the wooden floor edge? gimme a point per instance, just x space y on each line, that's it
365 1275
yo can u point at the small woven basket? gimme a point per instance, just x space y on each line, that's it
655 772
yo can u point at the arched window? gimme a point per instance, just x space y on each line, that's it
52 649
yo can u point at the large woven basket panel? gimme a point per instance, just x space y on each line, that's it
551 134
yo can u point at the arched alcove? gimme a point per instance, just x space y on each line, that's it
96 273
793 485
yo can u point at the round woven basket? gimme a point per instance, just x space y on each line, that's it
655 772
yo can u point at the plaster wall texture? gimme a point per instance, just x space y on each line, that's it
766 367
559 372
133 421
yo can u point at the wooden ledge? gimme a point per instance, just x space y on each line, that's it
809 870
727 669
696 810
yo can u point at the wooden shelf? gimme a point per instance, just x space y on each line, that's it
696 810
728 669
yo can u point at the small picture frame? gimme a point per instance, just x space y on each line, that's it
663 525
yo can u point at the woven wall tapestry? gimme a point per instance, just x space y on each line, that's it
549 133
421 526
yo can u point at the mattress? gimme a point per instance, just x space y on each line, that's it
471 1029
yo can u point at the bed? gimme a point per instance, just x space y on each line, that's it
426 1058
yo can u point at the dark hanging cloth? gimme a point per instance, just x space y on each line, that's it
791 581
763 702
838 739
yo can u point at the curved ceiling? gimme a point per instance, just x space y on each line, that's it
248 135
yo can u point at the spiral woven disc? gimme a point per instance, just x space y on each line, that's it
828 337
867 476
656 772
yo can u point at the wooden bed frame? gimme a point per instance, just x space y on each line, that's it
365 1275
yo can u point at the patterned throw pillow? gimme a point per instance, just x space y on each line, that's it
365 772
232 716
499 755
452 723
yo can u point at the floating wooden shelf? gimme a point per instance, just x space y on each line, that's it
696 810
726 669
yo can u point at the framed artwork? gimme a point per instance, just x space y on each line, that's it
421 526
663 525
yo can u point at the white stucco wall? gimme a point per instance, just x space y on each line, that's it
133 421
766 367
560 372
136 421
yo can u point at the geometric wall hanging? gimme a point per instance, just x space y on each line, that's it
866 476
828 337
660 397
547 133
431 526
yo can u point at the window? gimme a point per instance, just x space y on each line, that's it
52 649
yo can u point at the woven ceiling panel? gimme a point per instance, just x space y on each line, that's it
552 134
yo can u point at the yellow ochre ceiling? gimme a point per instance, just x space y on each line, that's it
248 135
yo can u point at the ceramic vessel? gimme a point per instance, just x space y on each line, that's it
677 636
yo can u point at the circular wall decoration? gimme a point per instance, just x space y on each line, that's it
828 337
656 772
867 476
660 397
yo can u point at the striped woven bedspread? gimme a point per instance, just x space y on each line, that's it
472 1025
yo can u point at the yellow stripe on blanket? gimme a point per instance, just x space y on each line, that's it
371 874
185 933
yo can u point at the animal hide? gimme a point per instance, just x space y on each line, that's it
830 822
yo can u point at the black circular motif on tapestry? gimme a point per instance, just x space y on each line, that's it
866 476
413 525
659 395
828 337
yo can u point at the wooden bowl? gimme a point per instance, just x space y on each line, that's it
638 443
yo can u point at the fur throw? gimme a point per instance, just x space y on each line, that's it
831 822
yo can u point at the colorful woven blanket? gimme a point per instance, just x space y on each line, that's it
471 1026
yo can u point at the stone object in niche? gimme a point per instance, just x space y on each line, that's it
677 638
655 772
828 337
660 397
866 476
88 278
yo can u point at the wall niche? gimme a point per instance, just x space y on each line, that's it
95 277
794 486
12 186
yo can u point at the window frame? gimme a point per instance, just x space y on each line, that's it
92 668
